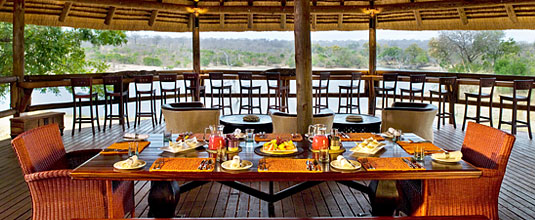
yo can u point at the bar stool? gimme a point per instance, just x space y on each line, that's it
518 85
168 78
220 88
445 92
141 82
414 79
274 82
354 85
323 85
84 82
385 89
483 83
120 92
191 82
246 83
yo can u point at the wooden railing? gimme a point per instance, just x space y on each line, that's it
11 80
44 81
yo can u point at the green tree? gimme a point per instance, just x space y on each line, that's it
152 61
55 50
391 55
415 56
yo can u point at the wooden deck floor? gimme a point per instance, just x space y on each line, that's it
517 197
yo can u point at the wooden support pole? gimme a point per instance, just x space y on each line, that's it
511 13
153 17
283 21
373 61
462 15
2 2
222 20
250 21
314 21
109 16
18 55
65 11
283 3
303 64
418 17
196 51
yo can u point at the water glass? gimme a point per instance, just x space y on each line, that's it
249 135
133 148
221 154
166 137
324 154
419 152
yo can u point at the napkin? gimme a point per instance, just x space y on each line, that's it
130 162
236 162
133 136
343 162
192 142
457 155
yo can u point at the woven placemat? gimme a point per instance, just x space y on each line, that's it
180 165
286 165
122 147
283 136
361 137
387 164
429 148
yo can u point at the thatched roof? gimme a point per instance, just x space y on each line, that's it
277 15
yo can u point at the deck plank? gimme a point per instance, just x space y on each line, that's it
517 196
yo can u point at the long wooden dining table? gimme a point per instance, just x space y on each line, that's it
101 167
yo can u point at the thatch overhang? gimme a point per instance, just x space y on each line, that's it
276 15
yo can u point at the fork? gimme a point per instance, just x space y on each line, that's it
368 165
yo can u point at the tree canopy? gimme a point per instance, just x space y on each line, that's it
55 50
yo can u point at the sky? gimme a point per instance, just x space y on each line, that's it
517 35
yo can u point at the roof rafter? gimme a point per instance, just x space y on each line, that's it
511 13
109 17
65 11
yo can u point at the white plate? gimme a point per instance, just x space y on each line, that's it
443 160
140 164
245 165
335 164
130 136
369 151
174 150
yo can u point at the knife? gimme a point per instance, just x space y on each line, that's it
316 166
416 163
309 165
409 163
201 166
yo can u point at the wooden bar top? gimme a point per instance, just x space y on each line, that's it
101 167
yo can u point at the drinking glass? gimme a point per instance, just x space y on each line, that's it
335 140
324 154
133 148
419 152
249 135
166 137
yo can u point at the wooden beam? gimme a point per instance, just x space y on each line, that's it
18 54
511 13
372 43
283 3
196 51
65 11
340 20
303 64
153 17
418 17
462 15
314 21
221 2
222 20
314 2
351 9
283 21
2 2
109 16
342 2
250 2
250 21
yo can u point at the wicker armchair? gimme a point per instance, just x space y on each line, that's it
486 148
47 167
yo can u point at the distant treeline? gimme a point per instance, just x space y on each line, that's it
458 51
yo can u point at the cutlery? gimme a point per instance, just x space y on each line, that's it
210 164
316 165
409 163
157 165
309 165
350 163
115 150
416 163
201 166
368 165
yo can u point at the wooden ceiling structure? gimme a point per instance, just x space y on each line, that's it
301 16
276 15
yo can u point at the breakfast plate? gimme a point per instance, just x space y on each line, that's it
245 164
336 164
121 165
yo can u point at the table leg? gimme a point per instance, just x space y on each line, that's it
271 207
384 197
163 199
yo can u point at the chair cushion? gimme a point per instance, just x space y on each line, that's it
183 106
411 106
